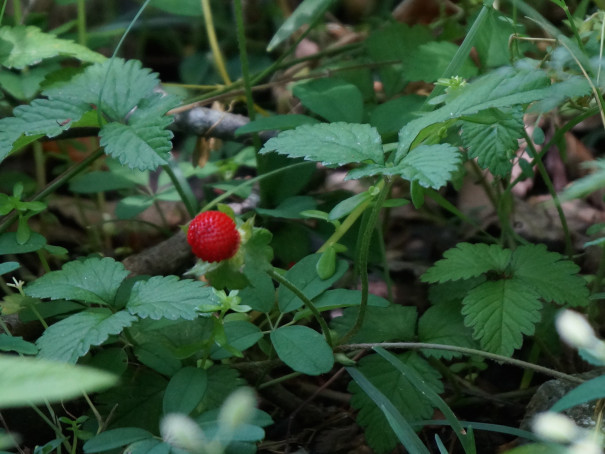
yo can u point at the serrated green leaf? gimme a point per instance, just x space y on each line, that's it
304 276
72 337
122 85
430 166
47 116
114 438
466 261
501 88
27 381
380 324
171 298
492 137
500 312
552 276
139 146
92 280
332 99
16 344
333 143
30 45
303 349
305 13
185 390
443 324
405 397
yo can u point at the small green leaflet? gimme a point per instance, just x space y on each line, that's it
331 144
169 297
381 324
114 438
303 349
72 337
431 166
405 397
492 137
92 280
185 390
30 45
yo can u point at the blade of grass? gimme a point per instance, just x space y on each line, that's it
400 426
418 383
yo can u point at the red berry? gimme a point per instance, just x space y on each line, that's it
213 236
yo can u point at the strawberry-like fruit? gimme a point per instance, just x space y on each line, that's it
213 236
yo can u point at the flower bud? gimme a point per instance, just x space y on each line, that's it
237 408
181 431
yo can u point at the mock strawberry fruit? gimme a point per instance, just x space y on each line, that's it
213 236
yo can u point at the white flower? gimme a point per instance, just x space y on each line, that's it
555 427
181 431
575 330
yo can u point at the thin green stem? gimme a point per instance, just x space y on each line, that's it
551 189
17 13
306 301
572 23
82 22
363 259
233 190
344 227
464 351
56 184
182 187
39 164
278 380
214 46
2 11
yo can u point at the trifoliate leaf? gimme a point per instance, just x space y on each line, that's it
443 324
500 312
492 137
405 397
92 280
333 143
380 324
140 146
552 276
502 88
432 166
30 46
466 261
72 337
169 297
